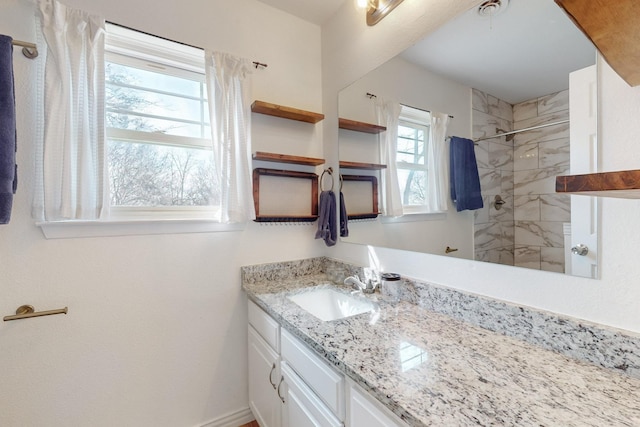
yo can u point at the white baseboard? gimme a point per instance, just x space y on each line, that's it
234 419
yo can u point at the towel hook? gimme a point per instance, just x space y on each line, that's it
330 172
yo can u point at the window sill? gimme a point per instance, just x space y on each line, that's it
414 217
80 229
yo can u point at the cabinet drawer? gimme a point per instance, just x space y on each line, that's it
268 328
315 372
365 411
302 407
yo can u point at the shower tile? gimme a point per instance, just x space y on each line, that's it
552 259
481 216
500 108
507 182
526 208
500 156
505 255
487 236
554 153
527 256
507 228
525 110
479 101
481 151
555 207
525 157
553 103
542 134
536 181
539 233
485 125
490 181
483 256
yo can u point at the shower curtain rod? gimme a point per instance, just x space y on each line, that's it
255 63
371 95
522 130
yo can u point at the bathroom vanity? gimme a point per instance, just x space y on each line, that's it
403 364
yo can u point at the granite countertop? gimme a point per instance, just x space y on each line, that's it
433 370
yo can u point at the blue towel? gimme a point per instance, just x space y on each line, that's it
344 218
463 173
327 218
8 168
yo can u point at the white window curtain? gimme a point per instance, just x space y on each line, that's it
388 114
437 164
229 108
71 159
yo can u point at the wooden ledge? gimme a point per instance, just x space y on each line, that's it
621 184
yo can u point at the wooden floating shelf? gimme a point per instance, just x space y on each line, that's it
286 112
360 126
613 28
358 165
620 184
285 158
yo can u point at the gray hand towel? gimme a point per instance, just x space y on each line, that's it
327 218
8 168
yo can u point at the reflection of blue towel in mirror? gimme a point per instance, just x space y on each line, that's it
8 168
327 218
464 178
344 219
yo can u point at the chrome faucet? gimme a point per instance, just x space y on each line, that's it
360 286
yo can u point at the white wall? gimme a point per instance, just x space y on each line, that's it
156 330
612 300
402 81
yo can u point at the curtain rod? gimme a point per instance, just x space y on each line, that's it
522 130
255 63
371 95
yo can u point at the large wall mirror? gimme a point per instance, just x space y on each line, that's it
497 68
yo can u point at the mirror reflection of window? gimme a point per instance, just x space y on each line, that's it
413 138
411 356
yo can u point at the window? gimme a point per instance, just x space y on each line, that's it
159 150
411 158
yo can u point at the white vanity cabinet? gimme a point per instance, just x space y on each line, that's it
264 368
291 386
365 411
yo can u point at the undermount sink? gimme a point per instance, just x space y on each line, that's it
329 304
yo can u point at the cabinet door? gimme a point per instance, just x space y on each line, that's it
264 376
364 411
302 408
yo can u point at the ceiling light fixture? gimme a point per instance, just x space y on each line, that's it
378 9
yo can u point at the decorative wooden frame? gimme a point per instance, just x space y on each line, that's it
374 196
312 177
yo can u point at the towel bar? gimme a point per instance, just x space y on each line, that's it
27 311
30 50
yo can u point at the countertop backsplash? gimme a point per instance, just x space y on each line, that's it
603 346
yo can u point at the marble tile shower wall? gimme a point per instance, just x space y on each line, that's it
539 156
494 229
528 230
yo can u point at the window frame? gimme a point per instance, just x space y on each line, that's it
135 49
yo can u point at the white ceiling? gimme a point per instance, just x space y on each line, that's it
525 51
315 11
